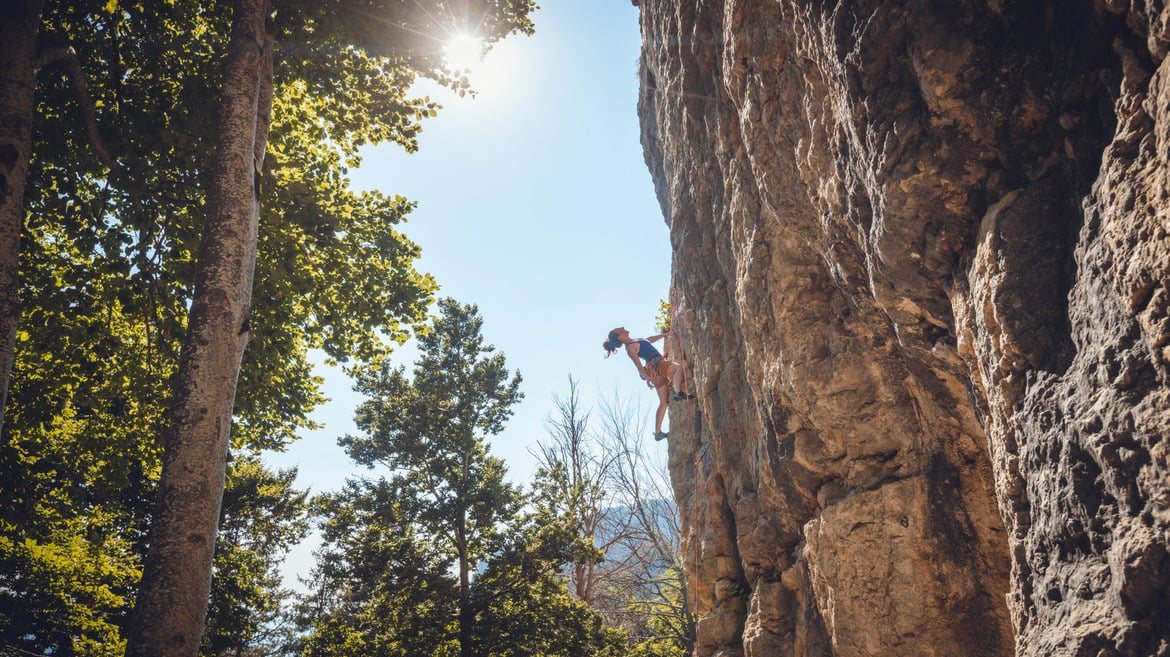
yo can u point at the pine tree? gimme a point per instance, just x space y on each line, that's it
430 430
439 557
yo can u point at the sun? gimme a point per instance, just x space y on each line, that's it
463 52
480 70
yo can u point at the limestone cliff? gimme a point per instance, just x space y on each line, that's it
922 252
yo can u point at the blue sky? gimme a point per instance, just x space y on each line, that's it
534 202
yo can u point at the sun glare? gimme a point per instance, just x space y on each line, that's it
489 72
464 51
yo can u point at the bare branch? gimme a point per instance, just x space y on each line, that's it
66 56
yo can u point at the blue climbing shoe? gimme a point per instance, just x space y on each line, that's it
679 396
661 435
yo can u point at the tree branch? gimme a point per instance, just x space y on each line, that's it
66 56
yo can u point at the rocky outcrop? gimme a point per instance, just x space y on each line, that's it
923 251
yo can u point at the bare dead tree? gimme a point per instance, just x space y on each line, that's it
654 584
570 458
621 502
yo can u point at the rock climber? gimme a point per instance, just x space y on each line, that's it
657 371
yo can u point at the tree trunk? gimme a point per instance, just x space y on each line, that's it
172 601
466 613
20 22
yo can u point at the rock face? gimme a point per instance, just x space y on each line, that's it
923 255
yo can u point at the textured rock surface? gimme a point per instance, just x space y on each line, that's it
923 251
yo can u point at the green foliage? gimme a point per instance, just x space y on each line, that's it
662 319
107 274
565 505
668 627
415 31
332 273
430 429
262 517
523 604
382 588
459 393
74 474
65 587
522 599
396 573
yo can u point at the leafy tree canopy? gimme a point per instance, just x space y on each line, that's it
108 260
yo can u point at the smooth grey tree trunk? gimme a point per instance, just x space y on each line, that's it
173 598
19 30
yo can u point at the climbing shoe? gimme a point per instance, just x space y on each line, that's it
661 435
679 396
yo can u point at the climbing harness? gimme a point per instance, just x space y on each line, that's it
654 373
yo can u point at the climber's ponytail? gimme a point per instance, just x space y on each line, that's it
611 344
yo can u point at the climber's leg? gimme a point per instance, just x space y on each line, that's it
663 403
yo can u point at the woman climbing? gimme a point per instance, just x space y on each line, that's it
657 371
